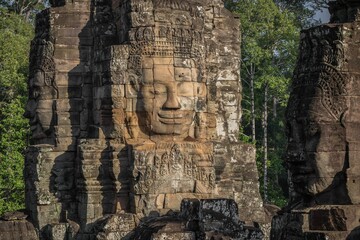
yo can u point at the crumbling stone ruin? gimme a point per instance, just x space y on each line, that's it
198 219
134 106
323 132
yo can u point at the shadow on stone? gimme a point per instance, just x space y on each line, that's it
197 219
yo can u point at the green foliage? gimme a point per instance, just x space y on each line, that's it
269 49
13 129
245 138
15 36
269 44
25 8
14 50
303 9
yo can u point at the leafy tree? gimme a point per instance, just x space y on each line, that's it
15 36
25 8
14 46
269 47
303 9
13 129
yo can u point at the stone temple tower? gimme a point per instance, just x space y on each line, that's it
323 132
134 106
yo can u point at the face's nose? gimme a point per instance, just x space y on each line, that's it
30 109
172 101
295 156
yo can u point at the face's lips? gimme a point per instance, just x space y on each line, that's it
300 178
173 117
294 155
32 119
300 174
33 127
300 168
305 169
171 121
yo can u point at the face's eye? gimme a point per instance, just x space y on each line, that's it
159 89
149 91
288 129
312 129
156 92
35 93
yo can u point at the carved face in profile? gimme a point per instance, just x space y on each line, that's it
316 153
39 108
169 95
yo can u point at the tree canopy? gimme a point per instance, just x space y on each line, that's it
270 35
303 9
15 36
25 8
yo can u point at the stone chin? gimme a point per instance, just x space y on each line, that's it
312 185
40 123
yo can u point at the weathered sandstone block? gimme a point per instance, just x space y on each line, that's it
134 106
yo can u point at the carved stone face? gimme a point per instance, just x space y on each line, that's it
38 108
169 96
316 153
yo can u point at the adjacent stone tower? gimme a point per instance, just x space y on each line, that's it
323 132
135 106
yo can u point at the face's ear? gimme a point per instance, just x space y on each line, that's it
39 78
343 118
132 85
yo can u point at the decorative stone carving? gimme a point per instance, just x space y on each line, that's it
322 153
318 116
173 168
142 109
42 86
344 11
57 92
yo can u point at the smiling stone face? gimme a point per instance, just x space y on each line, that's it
39 106
316 153
42 92
169 96
165 75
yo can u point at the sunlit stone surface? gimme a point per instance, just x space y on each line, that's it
135 106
